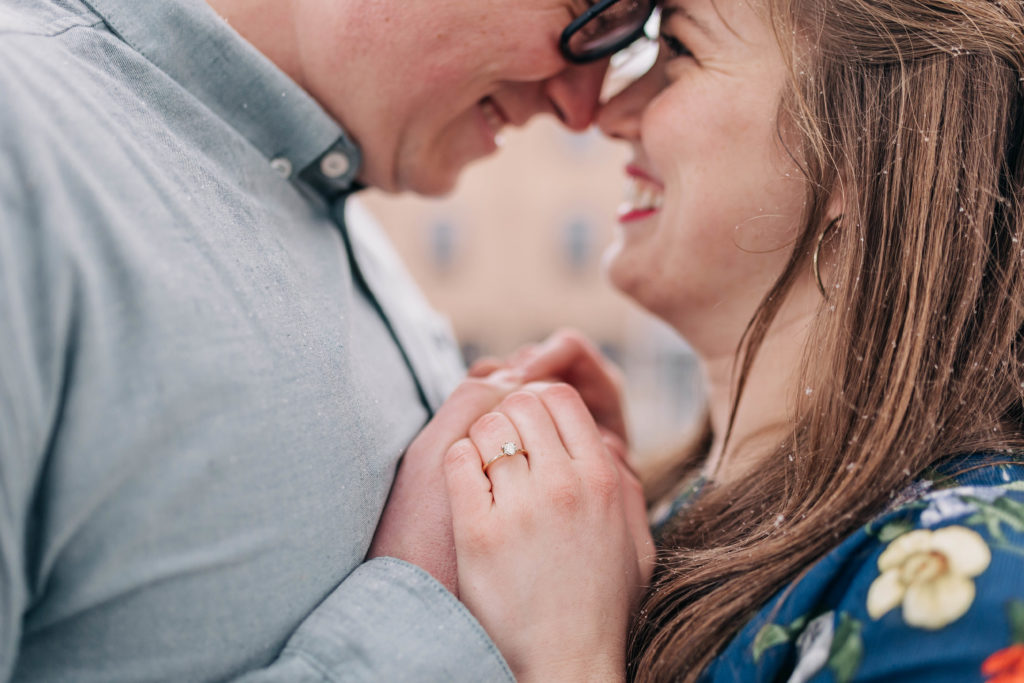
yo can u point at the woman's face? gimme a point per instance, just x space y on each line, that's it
715 201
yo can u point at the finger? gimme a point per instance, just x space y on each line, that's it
491 435
572 358
532 420
574 423
614 443
471 399
468 489
561 350
635 508
485 366
522 355
618 449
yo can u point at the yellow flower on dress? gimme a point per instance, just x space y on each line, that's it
931 573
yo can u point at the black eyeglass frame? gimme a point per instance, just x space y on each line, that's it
579 22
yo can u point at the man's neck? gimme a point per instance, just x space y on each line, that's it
270 27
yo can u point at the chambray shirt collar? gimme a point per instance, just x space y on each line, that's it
189 42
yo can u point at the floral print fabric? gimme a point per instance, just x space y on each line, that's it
933 590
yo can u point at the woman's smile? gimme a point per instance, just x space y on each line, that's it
644 196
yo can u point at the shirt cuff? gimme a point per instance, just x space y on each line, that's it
390 620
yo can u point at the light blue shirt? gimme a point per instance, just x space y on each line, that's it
203 393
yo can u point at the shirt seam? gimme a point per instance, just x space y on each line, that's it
55 28
310 660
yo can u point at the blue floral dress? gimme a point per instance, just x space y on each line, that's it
932 590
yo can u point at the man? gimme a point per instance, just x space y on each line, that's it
208 375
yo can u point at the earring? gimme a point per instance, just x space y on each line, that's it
814 257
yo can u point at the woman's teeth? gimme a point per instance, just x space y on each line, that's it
493 118
642 195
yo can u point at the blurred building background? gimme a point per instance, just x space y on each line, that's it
516 253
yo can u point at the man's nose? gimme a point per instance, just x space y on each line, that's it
621 116
575 91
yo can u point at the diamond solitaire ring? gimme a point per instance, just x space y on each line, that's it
509 448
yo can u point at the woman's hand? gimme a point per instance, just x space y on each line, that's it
416 524
553 545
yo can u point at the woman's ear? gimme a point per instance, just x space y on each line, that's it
836 205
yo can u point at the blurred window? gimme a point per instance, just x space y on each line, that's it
579 144
578 243
443 244
471 351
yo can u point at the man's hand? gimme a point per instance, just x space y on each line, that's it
416 525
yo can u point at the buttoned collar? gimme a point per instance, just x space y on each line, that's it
189 42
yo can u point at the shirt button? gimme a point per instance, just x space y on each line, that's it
334 165
282 167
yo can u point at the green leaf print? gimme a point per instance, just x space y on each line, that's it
1002 511
768 637
847 649
1015 615
1011 507
894 529
771 635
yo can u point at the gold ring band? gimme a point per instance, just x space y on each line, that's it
508 449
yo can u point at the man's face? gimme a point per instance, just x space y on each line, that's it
428 84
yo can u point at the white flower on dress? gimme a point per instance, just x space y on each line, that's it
813 647
931 574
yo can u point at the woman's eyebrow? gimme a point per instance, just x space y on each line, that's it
668 11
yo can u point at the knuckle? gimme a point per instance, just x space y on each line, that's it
519 401
488 423
474 387
536 387
571 336
479 538
566 495
459 452
605 484
560 393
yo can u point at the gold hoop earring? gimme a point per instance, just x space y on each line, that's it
814 257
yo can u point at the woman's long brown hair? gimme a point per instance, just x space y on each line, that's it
911 113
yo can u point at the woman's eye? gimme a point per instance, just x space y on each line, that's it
674 47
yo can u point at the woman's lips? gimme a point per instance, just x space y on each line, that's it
644 196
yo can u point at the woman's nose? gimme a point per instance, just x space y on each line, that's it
620 117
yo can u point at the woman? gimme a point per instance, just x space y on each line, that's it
828 207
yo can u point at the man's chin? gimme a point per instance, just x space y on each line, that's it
427 180
432 183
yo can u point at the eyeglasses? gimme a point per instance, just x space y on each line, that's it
604 29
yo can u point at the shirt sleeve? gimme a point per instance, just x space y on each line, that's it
388 621
35 323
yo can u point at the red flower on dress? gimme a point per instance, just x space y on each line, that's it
1005 666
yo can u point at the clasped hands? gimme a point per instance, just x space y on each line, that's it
550 548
